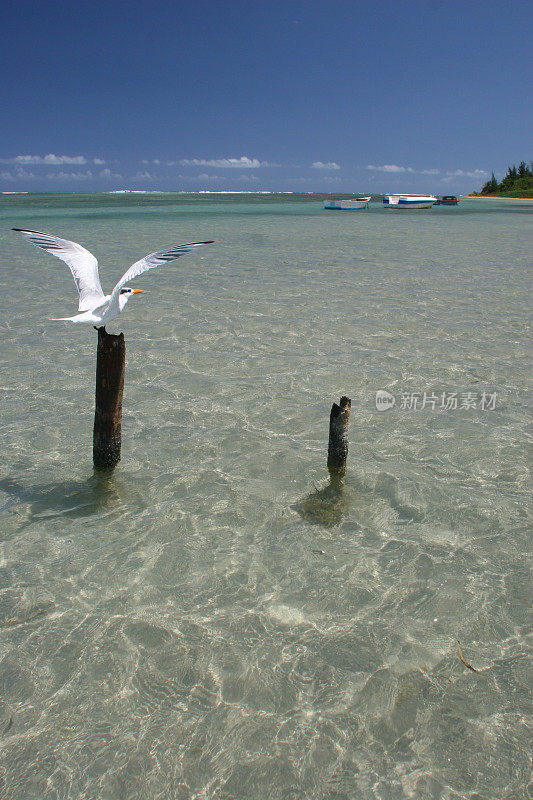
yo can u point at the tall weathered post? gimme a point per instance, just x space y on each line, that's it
110 366
339 420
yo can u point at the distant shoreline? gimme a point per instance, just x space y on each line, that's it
496 197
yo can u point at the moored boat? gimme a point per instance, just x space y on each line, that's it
447 200
408 201
348 205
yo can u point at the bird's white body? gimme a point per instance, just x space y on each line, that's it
102 314
96 308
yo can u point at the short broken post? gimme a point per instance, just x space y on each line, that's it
110 365
339 420
327 506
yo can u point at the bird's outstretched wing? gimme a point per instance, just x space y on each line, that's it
154 260
82 263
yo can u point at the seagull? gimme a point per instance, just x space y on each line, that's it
95 307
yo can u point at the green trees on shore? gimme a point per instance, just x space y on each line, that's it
518 182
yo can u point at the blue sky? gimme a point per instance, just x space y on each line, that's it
299 95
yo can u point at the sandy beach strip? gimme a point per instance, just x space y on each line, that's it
495 197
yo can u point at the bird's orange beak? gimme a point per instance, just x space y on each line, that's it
138 291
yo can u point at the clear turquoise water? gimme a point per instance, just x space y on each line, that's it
215 620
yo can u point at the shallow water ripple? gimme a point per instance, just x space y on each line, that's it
218 619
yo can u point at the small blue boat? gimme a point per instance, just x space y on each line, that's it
408 201
348 205
448 200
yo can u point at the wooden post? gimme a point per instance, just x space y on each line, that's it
110 364
339 419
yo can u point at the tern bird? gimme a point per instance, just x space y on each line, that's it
95 307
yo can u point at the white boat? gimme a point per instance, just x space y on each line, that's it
348 205
409 201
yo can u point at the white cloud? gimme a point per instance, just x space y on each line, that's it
246 178
143 176
325 165
49 160
390 168
241 163
311 180
396 168
21 174
459 173
106 173
69 176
